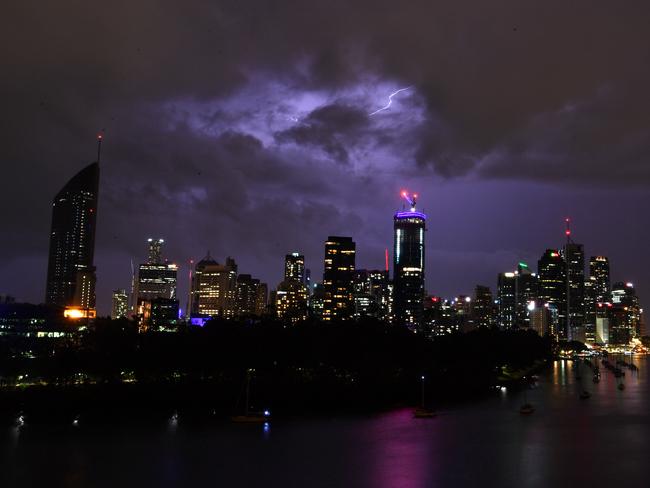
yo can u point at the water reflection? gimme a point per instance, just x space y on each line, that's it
599 441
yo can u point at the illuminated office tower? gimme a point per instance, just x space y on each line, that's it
294 267
483 309
157 278
506 300
338 276
552 288
292 294
574 256
214 288
251 296
119 304
372 294
526 284
590 303
70 271
155 250
625 314
599 271
408 265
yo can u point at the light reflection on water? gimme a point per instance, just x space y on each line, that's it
567 441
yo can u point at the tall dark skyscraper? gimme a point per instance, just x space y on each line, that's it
526 284
552 286
70 271
574 256
483 309
599 270
338 278
507 300
408 265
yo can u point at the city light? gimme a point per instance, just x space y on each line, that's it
79 313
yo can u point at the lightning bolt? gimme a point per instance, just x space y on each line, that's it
390 101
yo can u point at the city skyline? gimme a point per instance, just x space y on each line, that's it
271 148
154 297
155 245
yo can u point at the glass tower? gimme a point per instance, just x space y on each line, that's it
70 271
408 266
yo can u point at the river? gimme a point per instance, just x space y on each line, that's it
600 441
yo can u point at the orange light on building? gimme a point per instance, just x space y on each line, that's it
76 313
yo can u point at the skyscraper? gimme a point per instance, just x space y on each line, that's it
155 250
599 270
507 301
552 287
625 314
338 277
214 288
574 256
246 295
294 267
526 284
483 309
71 272
119 304
156 278
292 294
408 265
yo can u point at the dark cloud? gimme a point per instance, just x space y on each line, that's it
333 128
199 101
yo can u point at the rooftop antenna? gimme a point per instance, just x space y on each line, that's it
567 232
100 136
411 199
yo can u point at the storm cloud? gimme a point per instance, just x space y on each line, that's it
243 127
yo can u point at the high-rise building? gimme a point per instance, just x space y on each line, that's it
574 256
625 314
294 267
552 287
261 299
599 271
590 309
408 265
338 277
119 304
372 294
71 272
439 317
483 309
507 300
155 250
214 288
526 284
247 295
292 294
156 279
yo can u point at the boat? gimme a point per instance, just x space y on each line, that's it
621 386
422 412
250 417
584 394
596 378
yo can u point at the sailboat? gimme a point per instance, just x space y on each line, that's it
422 412
249 416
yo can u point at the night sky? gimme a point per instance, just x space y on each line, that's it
244 128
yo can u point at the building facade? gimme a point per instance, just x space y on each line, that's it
408 267
338 278
71 269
